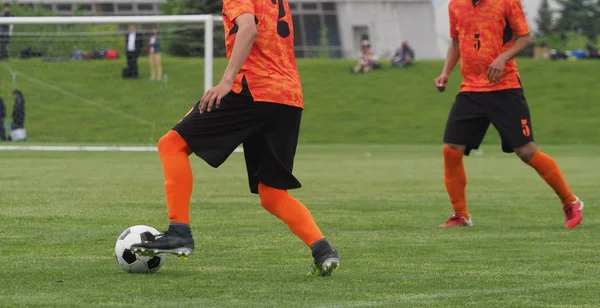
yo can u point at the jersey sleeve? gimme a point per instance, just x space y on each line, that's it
452 17
516 18
234 8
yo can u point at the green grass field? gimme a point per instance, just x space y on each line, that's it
370 161
62 212
88 102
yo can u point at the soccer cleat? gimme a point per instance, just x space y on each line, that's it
326 259
177 242
457 221
573 213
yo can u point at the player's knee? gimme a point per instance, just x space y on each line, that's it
268 196
456 147
526 152
164 145
172 143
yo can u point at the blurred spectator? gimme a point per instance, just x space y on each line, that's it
366 59
78 55
133 48
154 55
2 117
112 54
18 115
17 127
5 34
404 55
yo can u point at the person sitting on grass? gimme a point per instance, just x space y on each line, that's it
404 56
366 59
17 127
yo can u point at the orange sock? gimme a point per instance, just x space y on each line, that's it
549 171
455 180
279 203
174 152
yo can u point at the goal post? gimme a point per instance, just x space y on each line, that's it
207 20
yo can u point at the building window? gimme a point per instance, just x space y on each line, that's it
309 6
312 29
64 7
146 7
298 37
105 7
316 31
84 7
333 38
125 7
328 6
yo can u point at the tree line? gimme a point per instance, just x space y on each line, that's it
572 18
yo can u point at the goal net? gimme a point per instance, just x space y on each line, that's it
77 74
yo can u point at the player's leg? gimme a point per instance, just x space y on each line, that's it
510 115
269 160
151 59
207 137
465 129
158 65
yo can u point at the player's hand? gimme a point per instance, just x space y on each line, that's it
214 95
440 82
496 69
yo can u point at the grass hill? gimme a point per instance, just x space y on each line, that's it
88 102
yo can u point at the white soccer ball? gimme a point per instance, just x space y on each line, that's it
135 263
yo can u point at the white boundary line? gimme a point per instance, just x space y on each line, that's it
82 148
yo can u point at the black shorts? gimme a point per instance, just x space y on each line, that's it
473 112
268 132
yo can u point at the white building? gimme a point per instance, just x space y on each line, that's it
331 28
97 7
346 22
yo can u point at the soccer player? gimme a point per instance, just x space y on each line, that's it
483 37
258 103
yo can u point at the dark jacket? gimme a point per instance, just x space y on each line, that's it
5 28
18 115
139 43
402 53
2 110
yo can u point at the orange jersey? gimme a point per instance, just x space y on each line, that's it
485 29
270 71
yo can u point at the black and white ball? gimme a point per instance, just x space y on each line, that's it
135 263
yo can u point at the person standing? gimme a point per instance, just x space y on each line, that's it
483 36
133 48
257 103
154 55
5 33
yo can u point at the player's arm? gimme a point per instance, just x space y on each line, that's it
245 37
522 43
518 23
452 56
241 48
